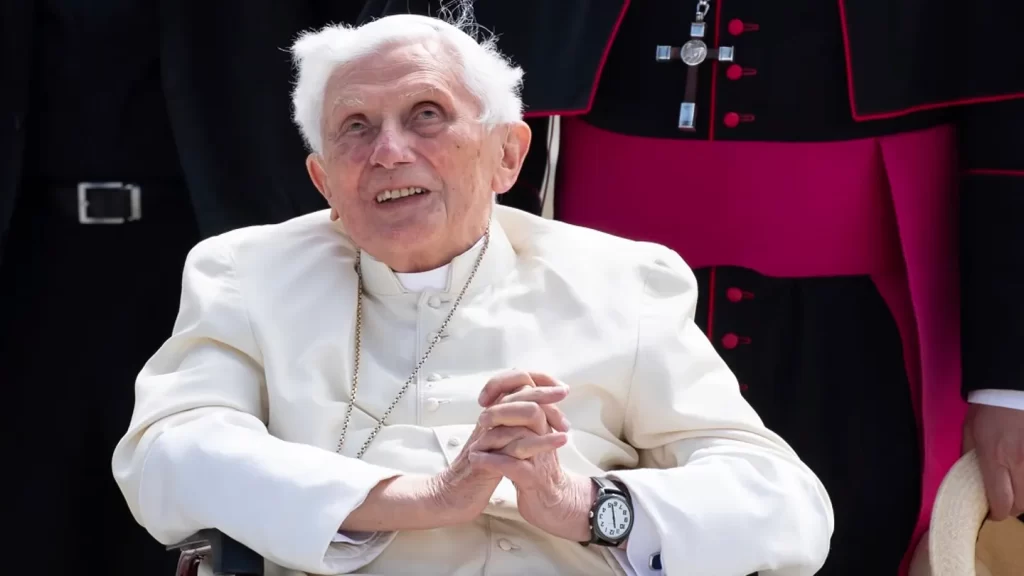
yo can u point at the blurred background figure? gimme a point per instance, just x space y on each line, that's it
131 129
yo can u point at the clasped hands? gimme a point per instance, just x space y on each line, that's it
516 437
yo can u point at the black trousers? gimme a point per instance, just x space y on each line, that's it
82 307
821 360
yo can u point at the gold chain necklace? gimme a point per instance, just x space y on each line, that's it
419 365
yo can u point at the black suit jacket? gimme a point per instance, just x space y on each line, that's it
227 76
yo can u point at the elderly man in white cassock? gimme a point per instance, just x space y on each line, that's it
419 381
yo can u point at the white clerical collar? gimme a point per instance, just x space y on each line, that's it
499 260
435 280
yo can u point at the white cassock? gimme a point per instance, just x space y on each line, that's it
238 415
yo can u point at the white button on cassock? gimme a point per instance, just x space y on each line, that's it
434 302
432 404
453 442
505 545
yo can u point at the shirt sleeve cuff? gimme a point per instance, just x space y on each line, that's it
642 545
353 537
345 556
1003 398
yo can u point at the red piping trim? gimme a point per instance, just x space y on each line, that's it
994 172
857 116
714 70
597 75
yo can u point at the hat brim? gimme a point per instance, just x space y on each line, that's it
960 509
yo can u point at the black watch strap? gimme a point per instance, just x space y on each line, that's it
609 485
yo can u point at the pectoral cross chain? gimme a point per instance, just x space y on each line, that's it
693 54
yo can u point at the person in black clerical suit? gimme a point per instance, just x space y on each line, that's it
130 130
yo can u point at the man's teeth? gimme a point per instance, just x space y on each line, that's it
399 193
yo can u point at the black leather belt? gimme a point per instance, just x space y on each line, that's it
106 203
98 203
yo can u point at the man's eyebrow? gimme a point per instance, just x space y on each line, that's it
424 91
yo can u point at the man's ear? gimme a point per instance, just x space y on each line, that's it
513 152
318 175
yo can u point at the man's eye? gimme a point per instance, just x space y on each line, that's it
428 114
355 127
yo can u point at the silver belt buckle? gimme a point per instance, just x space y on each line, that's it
134 198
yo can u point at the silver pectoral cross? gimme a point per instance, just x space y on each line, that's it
693 53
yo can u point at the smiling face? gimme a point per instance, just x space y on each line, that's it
406 164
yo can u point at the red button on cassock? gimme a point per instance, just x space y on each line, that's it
734 294
734 72
730 341
736 26
731 119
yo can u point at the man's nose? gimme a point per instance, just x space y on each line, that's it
391 149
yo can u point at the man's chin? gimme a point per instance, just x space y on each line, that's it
414 239
413 230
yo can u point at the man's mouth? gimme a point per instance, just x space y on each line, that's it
398 193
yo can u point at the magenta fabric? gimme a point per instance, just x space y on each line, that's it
884 207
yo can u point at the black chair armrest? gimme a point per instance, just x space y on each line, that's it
225 555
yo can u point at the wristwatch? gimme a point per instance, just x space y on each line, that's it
611 517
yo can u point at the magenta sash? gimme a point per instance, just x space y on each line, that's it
884 207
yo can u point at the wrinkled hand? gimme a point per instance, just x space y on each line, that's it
997 436
518 425
549 498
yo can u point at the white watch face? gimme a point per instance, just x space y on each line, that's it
613 519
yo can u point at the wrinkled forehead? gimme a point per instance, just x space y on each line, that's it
395 73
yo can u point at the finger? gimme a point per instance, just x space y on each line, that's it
513 381
521 472
998 488
501 397
502 384
496 439
540 395
555 417
541 379
529 446
527 414
546 397
518 441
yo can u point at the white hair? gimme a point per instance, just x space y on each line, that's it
484 71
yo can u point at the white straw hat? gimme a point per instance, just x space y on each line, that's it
959 541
